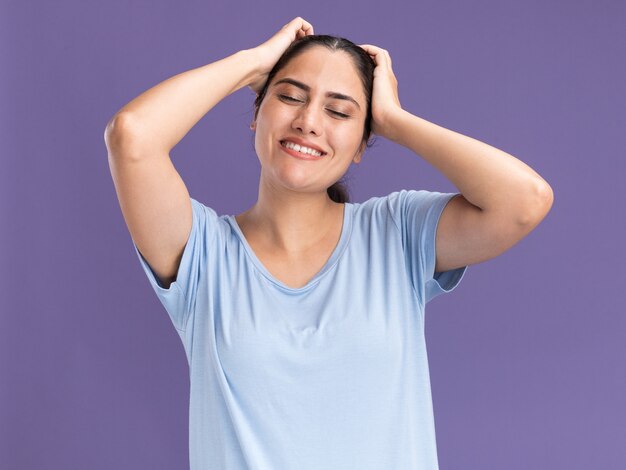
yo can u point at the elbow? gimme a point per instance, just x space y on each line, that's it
118 125
119 134
539 206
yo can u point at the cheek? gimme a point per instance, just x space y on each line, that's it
352 138
263 141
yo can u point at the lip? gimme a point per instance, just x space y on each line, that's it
299 155
298 141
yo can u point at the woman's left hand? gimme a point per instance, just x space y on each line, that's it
385 101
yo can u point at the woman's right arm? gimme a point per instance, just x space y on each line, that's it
160 117
154 200
155 121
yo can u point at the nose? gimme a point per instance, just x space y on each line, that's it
308 120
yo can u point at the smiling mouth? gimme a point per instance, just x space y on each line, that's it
296 148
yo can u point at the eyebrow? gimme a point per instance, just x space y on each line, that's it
330 94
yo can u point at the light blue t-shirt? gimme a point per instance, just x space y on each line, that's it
332 375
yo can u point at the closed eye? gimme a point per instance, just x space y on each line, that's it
289 98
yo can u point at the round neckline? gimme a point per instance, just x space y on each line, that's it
346 230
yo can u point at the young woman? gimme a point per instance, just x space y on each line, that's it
303 317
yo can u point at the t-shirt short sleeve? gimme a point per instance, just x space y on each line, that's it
417 215
179 299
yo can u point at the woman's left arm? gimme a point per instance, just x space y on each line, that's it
503 199
489 178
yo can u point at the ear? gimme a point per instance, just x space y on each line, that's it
359 155
253 125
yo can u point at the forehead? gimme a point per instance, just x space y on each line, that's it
325 70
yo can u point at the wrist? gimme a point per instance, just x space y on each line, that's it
249 60
252 57
393 125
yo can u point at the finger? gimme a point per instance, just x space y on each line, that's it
307 27
302 25
371 48
388 58
368 48
373 51
380 56
307 31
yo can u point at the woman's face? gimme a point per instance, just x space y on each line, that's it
321 103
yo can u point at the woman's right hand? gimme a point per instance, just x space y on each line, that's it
270 51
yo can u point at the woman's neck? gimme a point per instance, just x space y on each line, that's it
293 224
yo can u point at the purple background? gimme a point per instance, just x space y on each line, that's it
527 355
